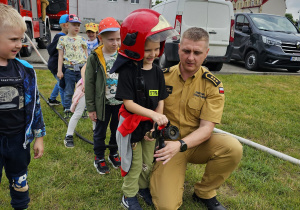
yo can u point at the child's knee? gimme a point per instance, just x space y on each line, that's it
20 183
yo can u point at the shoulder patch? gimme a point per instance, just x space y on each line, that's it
25 63
211 78
166 70
169 89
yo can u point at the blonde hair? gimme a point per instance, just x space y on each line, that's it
9 17
196 34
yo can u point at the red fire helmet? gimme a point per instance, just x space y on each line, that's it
140 25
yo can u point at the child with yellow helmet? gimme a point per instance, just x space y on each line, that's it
91 30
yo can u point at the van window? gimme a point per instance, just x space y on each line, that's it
273 23
241 21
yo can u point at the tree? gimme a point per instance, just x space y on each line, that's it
157 2
290 17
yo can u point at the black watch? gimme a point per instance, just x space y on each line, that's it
183 146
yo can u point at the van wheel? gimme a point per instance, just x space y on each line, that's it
27 51
293 70
251 61
214 66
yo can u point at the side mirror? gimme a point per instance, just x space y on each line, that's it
246 29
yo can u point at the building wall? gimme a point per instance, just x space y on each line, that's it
276 7
73 6
99 9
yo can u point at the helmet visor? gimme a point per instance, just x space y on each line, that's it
163 35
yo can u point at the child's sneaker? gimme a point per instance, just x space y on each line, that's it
145 194
115 160
67 114
69 143
53 102
131 203
101 166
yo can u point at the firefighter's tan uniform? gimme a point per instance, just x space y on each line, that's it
199 97
44 5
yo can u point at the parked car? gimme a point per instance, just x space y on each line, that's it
263 40
215 16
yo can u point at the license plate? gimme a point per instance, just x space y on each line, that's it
295 58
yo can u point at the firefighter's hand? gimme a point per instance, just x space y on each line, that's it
93 116
38 147
165 154
60 75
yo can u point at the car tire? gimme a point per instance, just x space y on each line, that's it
293 70
251 61
214 66
27 51
45 41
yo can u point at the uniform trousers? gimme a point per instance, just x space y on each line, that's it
141 166
221 154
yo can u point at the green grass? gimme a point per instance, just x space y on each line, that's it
264 109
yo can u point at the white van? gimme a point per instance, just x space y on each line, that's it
215 16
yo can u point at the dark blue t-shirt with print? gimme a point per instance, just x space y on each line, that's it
12 110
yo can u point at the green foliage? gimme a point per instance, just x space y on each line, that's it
290 17
264 109
158 2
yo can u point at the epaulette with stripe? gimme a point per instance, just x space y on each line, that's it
212 78
166 70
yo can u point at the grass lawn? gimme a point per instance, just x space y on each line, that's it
264 109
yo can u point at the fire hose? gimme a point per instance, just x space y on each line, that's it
242 140
56 112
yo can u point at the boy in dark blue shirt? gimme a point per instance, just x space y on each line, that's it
21 116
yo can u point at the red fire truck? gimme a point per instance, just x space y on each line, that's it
37 28
55 10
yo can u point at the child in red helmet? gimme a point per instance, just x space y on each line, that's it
141 86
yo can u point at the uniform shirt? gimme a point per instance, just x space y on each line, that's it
74 49
199 97
111 80
11 100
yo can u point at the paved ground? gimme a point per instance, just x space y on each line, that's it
229 68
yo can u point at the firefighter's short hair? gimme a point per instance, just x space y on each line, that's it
9 17
196 34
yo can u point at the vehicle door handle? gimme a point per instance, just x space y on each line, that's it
212 32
